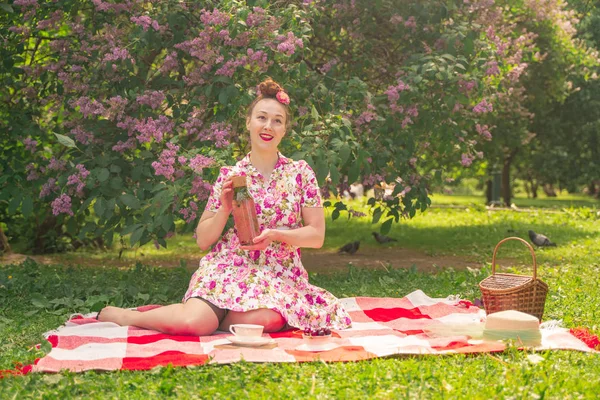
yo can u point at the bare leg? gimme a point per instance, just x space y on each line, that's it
271 320
194 317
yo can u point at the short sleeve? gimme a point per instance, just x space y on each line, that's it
311 195
214 200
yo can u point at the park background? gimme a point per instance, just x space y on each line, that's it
116 116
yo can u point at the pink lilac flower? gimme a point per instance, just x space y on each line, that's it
189 213
62 204
116 108
200 188
32 173
87 106
56 165
256 17
483 131
121 146
118 53
78 179
412 111
492 68
288 44
199 162
48 187
26 3
302 111
166 161
219 133
411 23
365 118
466 160
214 18
154 128
152 98
145 22
30 144
396 19
328 65
171 63
372 179
81 135
483 107
51 23
466 86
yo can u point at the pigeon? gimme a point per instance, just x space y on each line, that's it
540 240
350 248
382 238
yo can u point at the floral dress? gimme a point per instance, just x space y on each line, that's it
243 280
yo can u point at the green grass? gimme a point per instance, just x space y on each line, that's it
37 298
559 202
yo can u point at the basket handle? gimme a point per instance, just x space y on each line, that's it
522 241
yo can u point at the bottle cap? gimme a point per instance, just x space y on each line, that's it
239 181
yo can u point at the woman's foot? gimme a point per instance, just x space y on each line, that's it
120 316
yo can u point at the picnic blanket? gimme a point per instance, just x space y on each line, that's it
381 327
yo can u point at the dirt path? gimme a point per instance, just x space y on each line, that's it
319 261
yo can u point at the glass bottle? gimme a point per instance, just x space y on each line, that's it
244 212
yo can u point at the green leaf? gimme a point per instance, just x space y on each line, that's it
334 174
335 214
344 153
386 226
27 206
130 228
14 204
130 201
7 8
167 222
377 215
314 113
39 300
137 235
103 174
99 207
322 170
353 172
469 46
65 140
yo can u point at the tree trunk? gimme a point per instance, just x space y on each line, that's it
506 189
488 191
527 185
592 190
549 190
4 246
534 189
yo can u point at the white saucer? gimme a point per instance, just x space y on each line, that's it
317 347
250 341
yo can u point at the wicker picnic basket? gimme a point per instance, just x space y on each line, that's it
502 292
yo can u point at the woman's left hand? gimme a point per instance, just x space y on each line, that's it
262 241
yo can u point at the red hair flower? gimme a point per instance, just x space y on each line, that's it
283 97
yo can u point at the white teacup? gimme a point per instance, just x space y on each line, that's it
246 330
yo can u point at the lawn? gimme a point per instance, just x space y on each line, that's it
36 298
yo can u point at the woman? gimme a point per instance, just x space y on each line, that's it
265 283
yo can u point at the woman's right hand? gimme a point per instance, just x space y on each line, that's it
227 195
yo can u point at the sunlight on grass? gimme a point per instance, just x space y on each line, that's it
471 232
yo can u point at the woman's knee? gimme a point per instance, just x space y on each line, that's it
198 319
271 320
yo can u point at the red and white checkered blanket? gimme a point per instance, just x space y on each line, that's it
381 327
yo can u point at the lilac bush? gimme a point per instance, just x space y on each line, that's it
121 113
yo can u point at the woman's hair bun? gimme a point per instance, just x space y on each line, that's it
269 87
